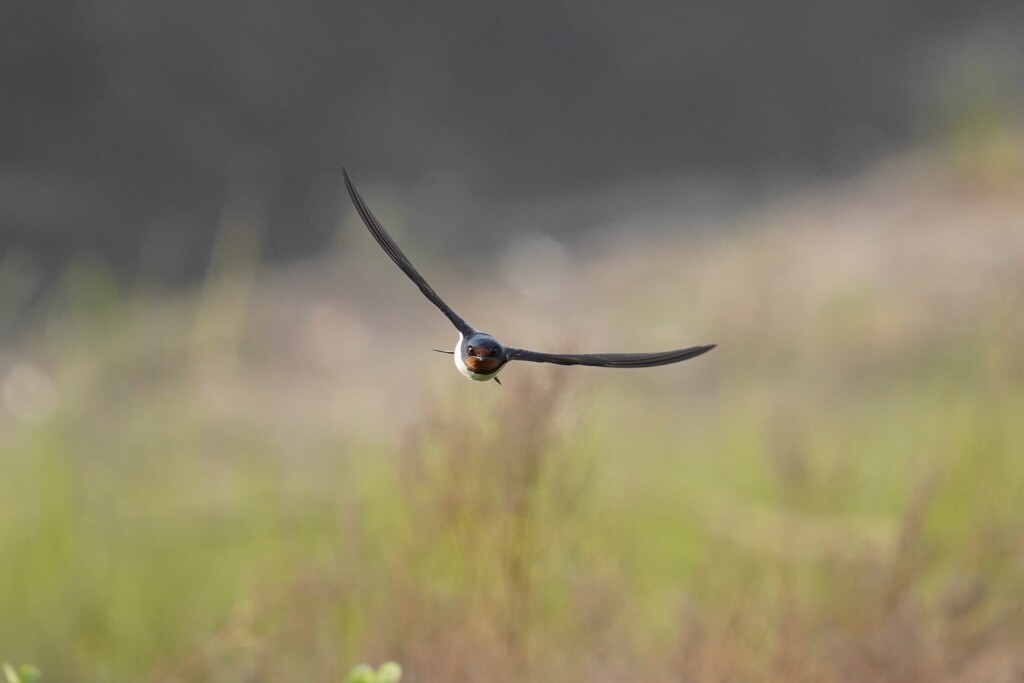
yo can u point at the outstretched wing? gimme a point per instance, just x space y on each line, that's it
388 244
610 360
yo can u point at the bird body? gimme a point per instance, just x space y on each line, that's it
478 355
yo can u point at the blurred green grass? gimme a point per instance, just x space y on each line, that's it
217 485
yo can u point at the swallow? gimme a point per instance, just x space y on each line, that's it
478 355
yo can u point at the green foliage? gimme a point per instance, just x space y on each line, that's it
388 672
23 674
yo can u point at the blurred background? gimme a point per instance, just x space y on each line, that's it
228 453
129 126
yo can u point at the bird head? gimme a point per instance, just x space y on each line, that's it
482 353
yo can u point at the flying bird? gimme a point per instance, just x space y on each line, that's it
478 355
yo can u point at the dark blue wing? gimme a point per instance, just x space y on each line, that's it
610 360
389 246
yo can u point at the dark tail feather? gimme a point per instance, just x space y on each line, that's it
450 353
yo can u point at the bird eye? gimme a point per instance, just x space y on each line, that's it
469 348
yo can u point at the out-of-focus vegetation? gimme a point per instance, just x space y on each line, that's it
25 673
272 477
388 672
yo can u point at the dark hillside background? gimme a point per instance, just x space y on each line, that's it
130 128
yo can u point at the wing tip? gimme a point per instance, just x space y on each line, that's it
701 350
